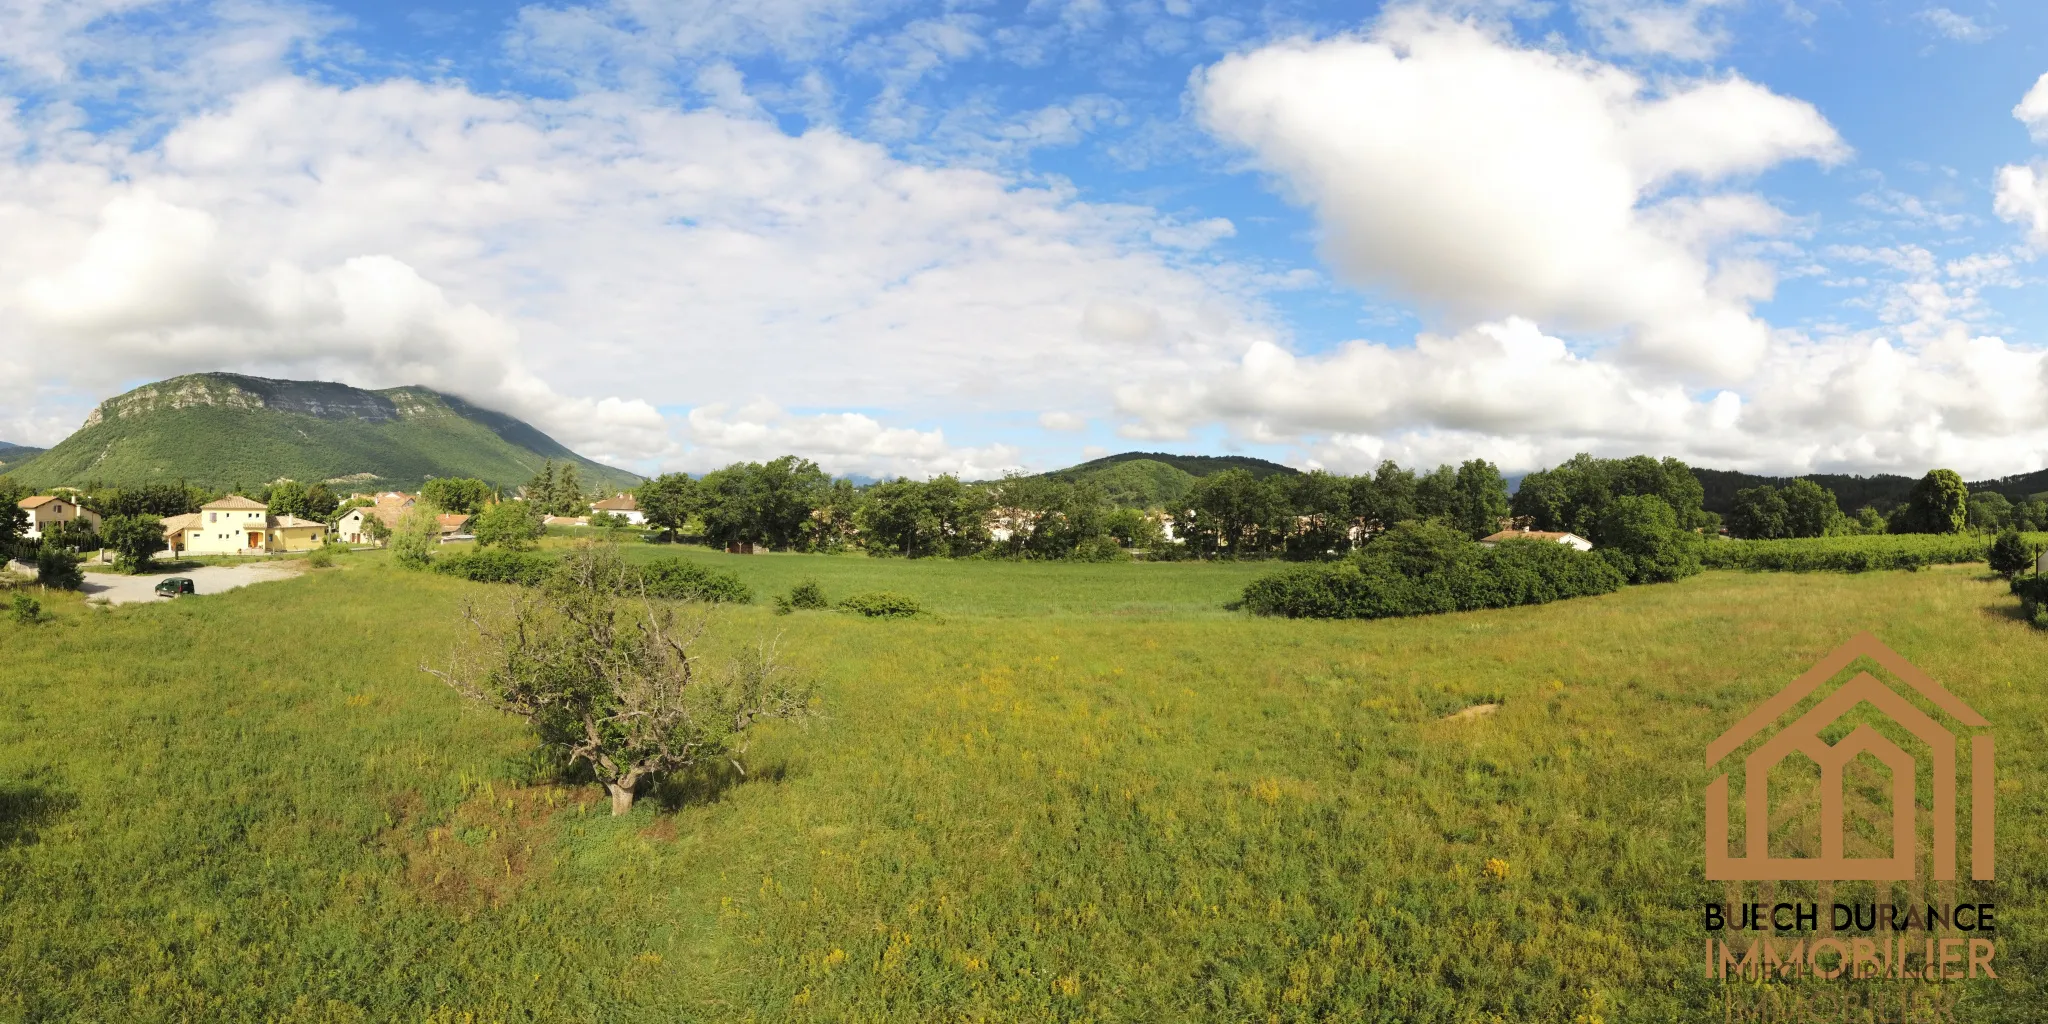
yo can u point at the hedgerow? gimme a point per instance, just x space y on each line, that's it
1368 587
882 604
674 579
496 565
683 580
1846 554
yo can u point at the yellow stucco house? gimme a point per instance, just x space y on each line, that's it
235 525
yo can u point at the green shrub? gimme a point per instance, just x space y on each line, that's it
806 595
882 604
499 565
2010 554
1844 554
1374 586
680 579
1099 549
320 558
27 610
58 569
2033 595
1641 536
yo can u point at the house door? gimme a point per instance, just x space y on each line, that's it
255 541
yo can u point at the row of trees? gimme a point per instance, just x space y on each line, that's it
790 504
1939 503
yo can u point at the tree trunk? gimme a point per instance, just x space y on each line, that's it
622 798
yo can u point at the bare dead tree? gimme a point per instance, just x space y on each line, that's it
611 677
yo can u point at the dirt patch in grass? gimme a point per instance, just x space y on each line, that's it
1475 711
485 852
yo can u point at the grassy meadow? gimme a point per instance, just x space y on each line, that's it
1075 793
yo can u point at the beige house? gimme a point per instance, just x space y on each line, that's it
236 525
453 527
621 505
49 510
389 509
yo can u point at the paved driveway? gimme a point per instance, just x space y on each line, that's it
207 579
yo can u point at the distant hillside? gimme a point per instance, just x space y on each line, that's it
12 455
1193 465
2019 488
1156 480
1883 490
223 429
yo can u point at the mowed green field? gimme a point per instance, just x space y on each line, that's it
1078 793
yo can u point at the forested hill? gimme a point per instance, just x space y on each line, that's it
219 430
14 454
1882 490
1156 479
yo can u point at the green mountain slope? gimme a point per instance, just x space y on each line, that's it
222 429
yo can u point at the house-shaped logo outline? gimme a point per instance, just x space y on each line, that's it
1803 736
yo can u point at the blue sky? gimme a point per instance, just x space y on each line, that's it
925 237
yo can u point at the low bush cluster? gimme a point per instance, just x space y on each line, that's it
673 579
2033 594
805 596
882 604
1420 574
680 579
498 565
1845 554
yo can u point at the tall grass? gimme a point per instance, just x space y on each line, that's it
254 806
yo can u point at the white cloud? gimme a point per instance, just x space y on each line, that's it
2022 189
1487 180
841 443
150 295
1960 27
1066 422
2032 110
1507 392
1685 29
401 232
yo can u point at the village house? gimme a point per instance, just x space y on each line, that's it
236 525
621 505
390 507
452 527
49 510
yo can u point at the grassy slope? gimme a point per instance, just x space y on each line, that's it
256 807
219 447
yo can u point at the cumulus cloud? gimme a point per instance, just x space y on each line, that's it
527 252
2032 110
1507 392
841 443
1485 179
150 294
2022 189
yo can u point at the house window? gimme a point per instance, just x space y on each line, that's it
213 517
